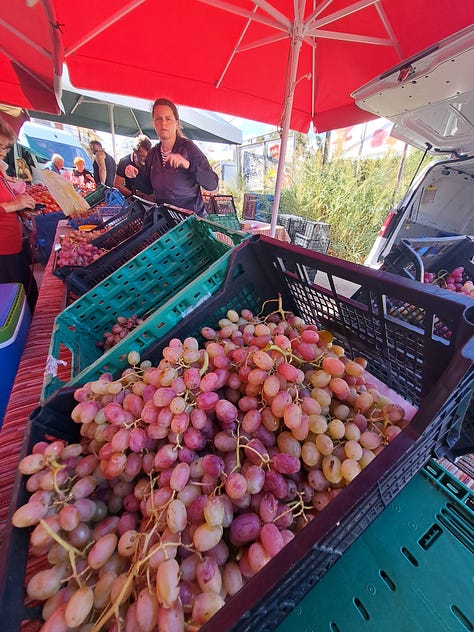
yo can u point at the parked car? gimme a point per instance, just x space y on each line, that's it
430 99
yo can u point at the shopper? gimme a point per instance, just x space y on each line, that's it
22 171
104 165
176 168
15 254
56 164
81 178
137 158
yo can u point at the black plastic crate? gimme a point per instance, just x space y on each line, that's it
430 372
116 229
318 244
155 222
223 205
413 257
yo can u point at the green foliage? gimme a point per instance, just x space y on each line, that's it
353 196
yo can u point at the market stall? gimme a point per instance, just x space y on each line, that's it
260 265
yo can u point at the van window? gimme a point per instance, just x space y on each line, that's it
44 149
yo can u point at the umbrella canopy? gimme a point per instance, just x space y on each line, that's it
31 55
130 117
284 62
234 56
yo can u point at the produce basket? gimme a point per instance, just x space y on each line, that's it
228 220
415 559
115 230
223 205
190 251
110 206
156 223
320 244
429 372
426 370
413 257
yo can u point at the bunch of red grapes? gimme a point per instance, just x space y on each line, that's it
192 473
455 281
76 249
119 330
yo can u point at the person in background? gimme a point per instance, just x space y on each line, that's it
81 178
56 164
15 259
176 168
22 171
137 159
104 165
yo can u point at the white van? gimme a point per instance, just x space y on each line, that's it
430 99
42 141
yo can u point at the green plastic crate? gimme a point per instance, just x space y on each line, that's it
411 570
229 221
189 252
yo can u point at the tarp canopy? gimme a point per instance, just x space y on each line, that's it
130 117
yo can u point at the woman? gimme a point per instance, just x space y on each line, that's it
22 171
81 178
176 168
14 259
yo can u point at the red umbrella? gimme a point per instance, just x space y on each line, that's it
31 55
285 62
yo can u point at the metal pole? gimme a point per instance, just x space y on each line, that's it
296 43
112 129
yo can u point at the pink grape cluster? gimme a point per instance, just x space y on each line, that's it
192 474
76 249
454 281
119 330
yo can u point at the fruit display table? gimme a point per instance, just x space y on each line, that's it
264 228
26 390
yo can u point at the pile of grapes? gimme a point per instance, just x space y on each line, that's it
119 330
454 280
76 249
192 474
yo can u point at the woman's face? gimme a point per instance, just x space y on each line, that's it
80 166
164 122
5 146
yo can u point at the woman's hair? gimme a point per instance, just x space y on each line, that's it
142 141
78 160
6 131
174 109
21 162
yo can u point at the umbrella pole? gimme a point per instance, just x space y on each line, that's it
112 128
296 43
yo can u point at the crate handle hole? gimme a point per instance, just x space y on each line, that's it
462 618
388 580
361 609
333 627
411 558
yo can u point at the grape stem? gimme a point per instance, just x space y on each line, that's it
280 311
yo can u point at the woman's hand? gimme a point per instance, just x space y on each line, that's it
19 203
177 160
131 171
25 201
